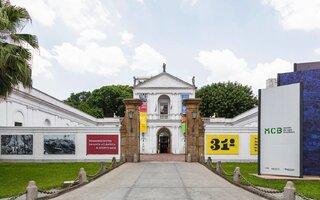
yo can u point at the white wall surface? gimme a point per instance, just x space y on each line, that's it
244 143
80 143
36 107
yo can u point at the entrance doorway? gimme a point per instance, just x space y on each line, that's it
164 141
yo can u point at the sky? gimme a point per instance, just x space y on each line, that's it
87 44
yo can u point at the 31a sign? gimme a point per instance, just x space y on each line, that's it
222 144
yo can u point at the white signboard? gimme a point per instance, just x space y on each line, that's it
279 131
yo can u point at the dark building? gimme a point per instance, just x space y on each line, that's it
309 75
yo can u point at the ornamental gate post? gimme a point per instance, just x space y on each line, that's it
194 132
130 150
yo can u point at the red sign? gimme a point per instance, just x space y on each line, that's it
143 107
102 144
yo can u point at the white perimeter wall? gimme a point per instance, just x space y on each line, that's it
244 143
80 143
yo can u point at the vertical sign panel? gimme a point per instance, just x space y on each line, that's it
254 144
279 131
143 107
143 113
102 144
143 122
184 108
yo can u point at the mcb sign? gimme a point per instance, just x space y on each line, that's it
280 131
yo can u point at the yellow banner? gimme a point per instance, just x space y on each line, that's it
143 122
254 144
222 144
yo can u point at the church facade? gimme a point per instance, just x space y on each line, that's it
162 112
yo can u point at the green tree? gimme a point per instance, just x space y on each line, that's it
80 101
15 57
225 99
103 102
75 99
109 99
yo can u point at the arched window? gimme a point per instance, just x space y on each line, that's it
164 104
18 118
47 123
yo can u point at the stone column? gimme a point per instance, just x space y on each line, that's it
130 131
195 130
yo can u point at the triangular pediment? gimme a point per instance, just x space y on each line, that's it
164 80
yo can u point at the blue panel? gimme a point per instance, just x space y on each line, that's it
311 113
184 108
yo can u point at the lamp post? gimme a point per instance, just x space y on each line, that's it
130 114
194 116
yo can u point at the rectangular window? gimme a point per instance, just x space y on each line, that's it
17 124
163 108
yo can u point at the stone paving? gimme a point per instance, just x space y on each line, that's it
159 180
162 157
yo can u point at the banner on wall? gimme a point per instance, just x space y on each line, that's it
16 144
254 144
59 144
143 107
184 108
222 144
143 122
183 128
280 132
102 144
143 113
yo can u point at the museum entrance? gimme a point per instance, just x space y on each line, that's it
164 141
164 150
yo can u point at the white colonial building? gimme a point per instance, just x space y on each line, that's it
163 95
162 127
33 108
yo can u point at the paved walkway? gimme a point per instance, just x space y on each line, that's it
162 180
162 157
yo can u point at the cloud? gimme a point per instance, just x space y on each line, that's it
39 10
126 37
317 51
90 35
41 63
92 58
193 2
147 59
84 14
75 14
225 66
140 1
258 76
297 14
222 63
119 16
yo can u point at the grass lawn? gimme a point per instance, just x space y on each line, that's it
14 177
309 189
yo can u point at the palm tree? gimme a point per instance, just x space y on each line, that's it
15 54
